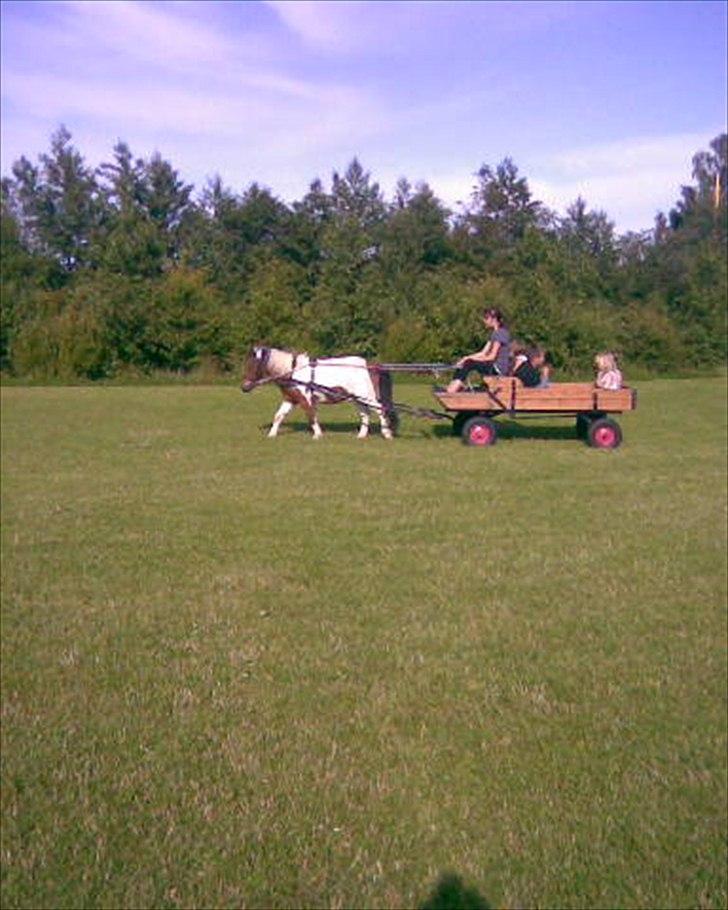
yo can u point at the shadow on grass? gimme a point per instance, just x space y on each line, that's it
507 429
511 429
451 893
300 426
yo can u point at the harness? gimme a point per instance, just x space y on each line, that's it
285 380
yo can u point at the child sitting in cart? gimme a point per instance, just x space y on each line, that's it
609 376
530 365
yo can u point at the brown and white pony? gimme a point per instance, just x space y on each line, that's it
306 383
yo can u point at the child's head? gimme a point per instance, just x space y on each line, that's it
517 347
605 361
537 356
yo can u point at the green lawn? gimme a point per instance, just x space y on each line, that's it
240 672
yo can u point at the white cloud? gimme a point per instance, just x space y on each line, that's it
342 26
156 76
631 179
170 40
145 31
633 155
216 112
334 25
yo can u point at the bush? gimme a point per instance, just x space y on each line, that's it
64 341
184 322
408 341
273 309
648 337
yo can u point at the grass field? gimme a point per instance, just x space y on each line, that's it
241 672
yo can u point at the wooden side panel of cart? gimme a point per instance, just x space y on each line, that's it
510 395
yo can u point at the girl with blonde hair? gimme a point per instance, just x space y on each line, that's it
609 375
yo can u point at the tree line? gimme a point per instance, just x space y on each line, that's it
125 268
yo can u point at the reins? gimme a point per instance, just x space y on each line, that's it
341 395
277 379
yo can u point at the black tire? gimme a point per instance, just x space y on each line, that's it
604 433
458 422
479 431
584 421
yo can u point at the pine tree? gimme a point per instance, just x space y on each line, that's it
59 202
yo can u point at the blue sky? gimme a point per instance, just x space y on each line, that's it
609 100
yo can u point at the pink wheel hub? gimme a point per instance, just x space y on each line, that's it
481 435
605 437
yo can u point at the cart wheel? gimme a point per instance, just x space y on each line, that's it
604 434
458 422
479 431
584 420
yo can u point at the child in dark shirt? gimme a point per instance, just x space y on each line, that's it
531 367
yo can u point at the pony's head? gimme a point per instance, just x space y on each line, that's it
254 368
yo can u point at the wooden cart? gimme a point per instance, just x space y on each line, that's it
473 411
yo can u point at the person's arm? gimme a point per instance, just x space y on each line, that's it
480 355
487 354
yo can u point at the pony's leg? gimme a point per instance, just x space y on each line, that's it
310 410
383 421
296 397
369 397
285 408
313 421
364 425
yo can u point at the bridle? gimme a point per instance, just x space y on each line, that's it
261 355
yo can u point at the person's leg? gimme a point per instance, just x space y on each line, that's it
461 374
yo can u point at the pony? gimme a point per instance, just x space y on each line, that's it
306 383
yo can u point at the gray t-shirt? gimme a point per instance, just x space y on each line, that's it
503 360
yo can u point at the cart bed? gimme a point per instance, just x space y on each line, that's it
508 394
